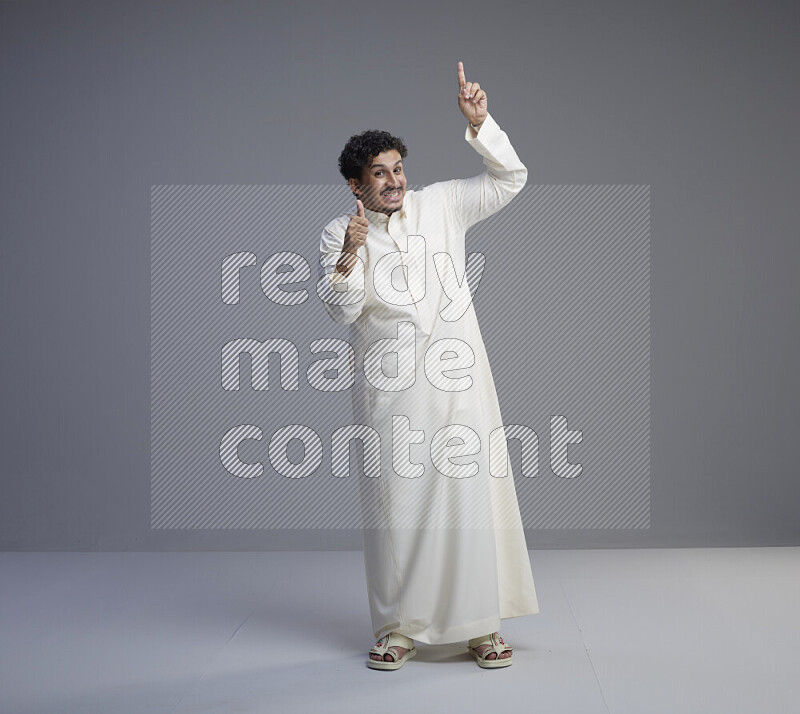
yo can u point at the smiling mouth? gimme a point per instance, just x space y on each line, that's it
394 193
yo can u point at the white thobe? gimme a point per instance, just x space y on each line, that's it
444 548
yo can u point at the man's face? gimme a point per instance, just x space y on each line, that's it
383 183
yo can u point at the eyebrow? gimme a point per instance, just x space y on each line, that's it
383 166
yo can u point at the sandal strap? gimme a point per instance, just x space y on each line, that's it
495 644
381 646
389 643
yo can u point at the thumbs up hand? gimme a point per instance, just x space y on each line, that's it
472 99
355 236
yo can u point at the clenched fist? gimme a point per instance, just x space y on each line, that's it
355 236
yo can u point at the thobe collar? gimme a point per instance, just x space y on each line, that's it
381 219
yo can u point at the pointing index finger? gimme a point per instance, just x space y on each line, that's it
462 80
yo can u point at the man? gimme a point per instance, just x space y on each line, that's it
444 549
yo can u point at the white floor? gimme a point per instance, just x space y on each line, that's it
622 631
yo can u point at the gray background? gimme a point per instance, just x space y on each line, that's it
566 296
101 100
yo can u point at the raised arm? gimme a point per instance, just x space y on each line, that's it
479 197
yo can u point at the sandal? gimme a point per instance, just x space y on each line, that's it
389 644
496 645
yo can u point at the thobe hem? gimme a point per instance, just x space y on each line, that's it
433 636
523 605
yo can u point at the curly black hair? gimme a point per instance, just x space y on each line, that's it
361 148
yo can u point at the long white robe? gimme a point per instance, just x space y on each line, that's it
444 550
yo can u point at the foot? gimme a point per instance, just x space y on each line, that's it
391 652
388 656
492 655
490 651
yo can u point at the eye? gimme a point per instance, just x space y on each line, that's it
399 170
378 173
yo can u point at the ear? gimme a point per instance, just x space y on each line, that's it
355 186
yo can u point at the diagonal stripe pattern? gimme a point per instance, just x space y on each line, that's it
251 421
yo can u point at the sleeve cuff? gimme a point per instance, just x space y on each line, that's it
487 132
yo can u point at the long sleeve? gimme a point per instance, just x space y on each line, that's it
480 196
342 295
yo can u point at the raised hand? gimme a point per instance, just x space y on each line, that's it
354 237
471 98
